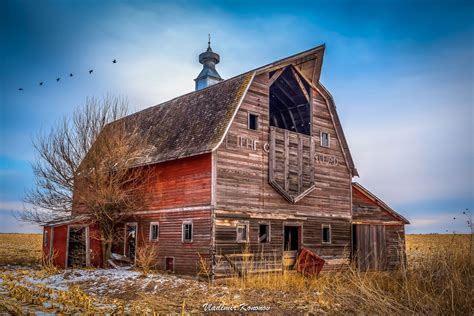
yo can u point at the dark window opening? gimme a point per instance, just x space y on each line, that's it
253 121
188 232
324 139
326 234
154 231
289 102
291 238
264 233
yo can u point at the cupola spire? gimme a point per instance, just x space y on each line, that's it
208 75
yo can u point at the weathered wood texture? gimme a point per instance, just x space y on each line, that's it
242 163
371 247
180 183
395 246
335 253
365 209
291 163
243 191
169 243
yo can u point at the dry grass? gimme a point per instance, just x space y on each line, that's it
20 249
437 280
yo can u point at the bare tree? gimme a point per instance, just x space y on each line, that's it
87 165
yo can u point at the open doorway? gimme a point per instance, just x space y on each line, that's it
291 245
130 242
77 247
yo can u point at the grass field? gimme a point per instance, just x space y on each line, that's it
438 279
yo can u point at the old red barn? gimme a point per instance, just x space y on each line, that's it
256 165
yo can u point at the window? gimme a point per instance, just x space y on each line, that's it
326 234
154 231
242 233
45 238
325 139
187 231
264 233
253 121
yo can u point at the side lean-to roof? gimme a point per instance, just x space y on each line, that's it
197 122
357 186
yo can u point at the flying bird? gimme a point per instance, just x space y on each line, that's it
21 89
70 75
57 79
114 61
91 71
41 83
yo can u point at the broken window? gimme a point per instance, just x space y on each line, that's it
289 101
325 139
154 231
187 230
253 121
242 233
326 234
264 233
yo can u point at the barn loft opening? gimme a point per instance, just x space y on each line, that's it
289 101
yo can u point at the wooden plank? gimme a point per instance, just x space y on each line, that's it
286 160
301 85
300 164
275 76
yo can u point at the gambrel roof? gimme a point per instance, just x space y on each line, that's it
197 122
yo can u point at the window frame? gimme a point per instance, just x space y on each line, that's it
321 139
323 226
247 231
268 233
187 222
257 121
151 231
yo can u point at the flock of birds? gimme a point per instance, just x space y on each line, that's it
70 75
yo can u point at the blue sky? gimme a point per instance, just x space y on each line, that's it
401 73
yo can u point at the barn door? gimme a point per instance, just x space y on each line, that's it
370 247
77 246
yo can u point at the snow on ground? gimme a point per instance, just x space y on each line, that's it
110 281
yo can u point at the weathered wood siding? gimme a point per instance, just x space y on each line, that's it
365 209
368 213
169 243
243 192
180 190
183 182
395 243
242 163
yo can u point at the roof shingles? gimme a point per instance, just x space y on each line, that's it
191 124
